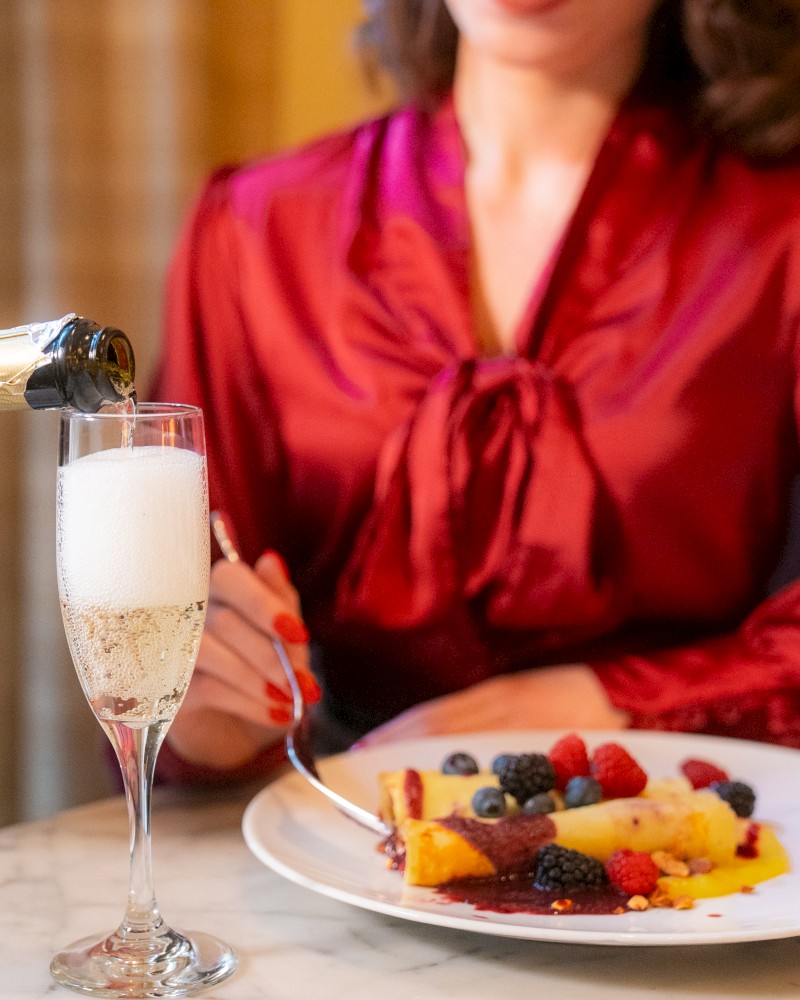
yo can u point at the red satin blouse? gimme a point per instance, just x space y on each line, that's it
616 491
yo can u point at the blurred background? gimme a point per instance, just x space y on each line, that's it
112 114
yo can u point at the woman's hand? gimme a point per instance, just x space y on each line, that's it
239 701
562 697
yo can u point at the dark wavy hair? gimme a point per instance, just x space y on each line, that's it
734 65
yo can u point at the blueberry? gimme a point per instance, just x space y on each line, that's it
500 761
582 791
543 802
459 763
739 796
489 803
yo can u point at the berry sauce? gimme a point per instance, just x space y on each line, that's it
510 844
749 847
517 894
412 791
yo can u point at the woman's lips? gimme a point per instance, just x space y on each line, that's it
523 7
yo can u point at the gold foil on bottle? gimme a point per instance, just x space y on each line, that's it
19 357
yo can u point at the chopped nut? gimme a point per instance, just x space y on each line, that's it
661 902
638 903
747 889
670 865
683 903
561 905
700 866
619 909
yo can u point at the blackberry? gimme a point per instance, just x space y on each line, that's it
459 763
582 791
489 803
525 775
542 802
560 869
739 796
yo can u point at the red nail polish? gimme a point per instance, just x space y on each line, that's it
290 628
277 694
280 561
280 716
309 688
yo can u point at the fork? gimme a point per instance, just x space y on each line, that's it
298 739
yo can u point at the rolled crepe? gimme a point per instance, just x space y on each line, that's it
689 825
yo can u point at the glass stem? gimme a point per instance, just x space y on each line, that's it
137 749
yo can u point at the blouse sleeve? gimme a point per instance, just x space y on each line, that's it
744 684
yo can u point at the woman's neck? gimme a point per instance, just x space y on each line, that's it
512 117
531 141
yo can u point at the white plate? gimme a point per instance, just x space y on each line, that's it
294 830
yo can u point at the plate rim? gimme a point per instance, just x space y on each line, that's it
485 924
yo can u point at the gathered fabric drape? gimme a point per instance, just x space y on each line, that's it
111 114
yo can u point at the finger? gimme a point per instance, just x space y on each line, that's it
245 643
272 569
217 659
207 691
240 588
267 702
258 654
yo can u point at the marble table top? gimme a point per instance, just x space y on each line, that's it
66 877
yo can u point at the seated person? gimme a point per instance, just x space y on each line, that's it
501 388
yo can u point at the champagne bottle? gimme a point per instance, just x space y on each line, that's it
65 362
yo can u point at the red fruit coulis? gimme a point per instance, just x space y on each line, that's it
518 894
511 845
412 791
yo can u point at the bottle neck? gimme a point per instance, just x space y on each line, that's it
85 367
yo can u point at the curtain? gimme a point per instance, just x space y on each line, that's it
112 112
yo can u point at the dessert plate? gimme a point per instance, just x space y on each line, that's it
298 833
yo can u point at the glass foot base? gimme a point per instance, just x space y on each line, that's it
165 965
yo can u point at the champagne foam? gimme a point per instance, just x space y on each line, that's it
133 528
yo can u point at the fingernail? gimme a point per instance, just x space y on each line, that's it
280 716
290 628
279 560
277 694
310 690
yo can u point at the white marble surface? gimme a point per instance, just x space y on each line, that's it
66 877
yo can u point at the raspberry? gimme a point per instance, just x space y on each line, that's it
634 872
569 759
618 773
525 775
562 869
701 773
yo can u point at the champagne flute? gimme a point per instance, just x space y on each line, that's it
133 577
